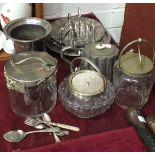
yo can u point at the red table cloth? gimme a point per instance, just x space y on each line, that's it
108 132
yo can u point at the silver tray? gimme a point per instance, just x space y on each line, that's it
82 39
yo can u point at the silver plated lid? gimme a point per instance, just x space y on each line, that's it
129 63
136 64
100 49
30 67
86 83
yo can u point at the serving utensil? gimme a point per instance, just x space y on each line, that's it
36 124
18 135
39 123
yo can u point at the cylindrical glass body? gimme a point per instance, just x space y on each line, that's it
31 80
33 101
132 91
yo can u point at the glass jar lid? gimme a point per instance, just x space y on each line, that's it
131 65
86 83
30 67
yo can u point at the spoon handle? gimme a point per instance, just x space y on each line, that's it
44 130
64 126
46 119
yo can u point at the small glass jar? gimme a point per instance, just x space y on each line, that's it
86 93
133 77
31 80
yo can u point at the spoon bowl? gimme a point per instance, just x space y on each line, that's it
46 118
14 136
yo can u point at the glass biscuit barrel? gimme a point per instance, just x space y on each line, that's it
31 80
86 93
133 76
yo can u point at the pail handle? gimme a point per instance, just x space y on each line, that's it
138 41
45 64
84 59
69 48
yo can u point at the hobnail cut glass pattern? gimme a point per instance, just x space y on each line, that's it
86 107
132 91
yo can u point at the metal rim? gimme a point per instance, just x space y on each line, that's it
77 93
25 20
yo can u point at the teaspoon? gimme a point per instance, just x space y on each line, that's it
18 135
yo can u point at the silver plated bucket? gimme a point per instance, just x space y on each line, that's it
28 34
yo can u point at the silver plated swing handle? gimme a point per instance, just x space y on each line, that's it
64 49
138 41
86 60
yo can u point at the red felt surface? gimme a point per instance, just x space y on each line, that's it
107 132
113 141
112 119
